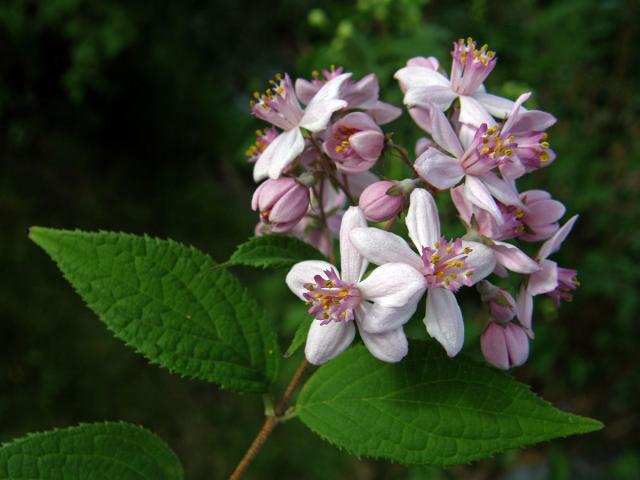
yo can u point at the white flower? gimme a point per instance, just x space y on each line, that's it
444 265
380 304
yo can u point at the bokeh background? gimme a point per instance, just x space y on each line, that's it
133 115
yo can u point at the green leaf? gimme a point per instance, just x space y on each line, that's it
427 409
98 451
276 251
158 296
300 336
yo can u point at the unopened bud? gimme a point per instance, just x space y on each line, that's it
504 346
281 204
377 204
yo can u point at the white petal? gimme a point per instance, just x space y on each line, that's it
481 258
411 77
374 318
437 95
513 114
392 285
353 264
478 194
389 347
380 247
303 272
444 320
553 244
473 113
514 259
524 307
502 190
442 133
497 106
422 219
280 153
323 104
439 169
325 342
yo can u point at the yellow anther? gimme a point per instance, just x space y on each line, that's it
343 293
469 273
435 259
545 136
325 307
437 245
511 138
486 150
544 144
278 76
329 284
453 276
448 248
317 295
315 74
544 157
468 250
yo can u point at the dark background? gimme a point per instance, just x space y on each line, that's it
132 115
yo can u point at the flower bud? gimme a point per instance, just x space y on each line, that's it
504 346
502 305
377 204
281 203
540 215
355 142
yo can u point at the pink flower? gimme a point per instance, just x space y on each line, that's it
445 265
362 94
550 279
282 203
379 304
262 142
502 305
355 142
377 204
475 165
504 345
280 107
426 88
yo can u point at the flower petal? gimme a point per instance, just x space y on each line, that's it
517 344
439 169
553 244
494 346
545 280
380 247
438 95
325 342
323 104
497 106
414 76
391 346
444 320
478 194
280 153
473 113
305 90
353 264
481 258
303 273
524 307
514 259
383 113
393 285
502 190
465 209
368 144
422 219
374 318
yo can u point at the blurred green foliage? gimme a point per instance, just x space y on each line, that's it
132 115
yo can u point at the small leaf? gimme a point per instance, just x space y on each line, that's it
151 294
100 450
427 409
276 251
300 336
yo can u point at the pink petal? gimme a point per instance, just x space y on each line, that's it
443 134
477 193
545 280
554 243
305 90
524 307
514 259
414 76
422 219
383 113
481 258
502 190
497 106
517 344
440 96
374 318
494 346
473 113
368 144
464 207
443 320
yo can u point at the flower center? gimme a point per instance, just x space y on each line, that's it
342 135
468 52
445 265
331 299
264 138
278 105
471 66
567 282
487 151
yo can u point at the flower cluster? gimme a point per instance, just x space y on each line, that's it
315 164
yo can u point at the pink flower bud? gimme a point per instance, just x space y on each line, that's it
355 142
281 203
504 346
502 305
377 204
540 216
